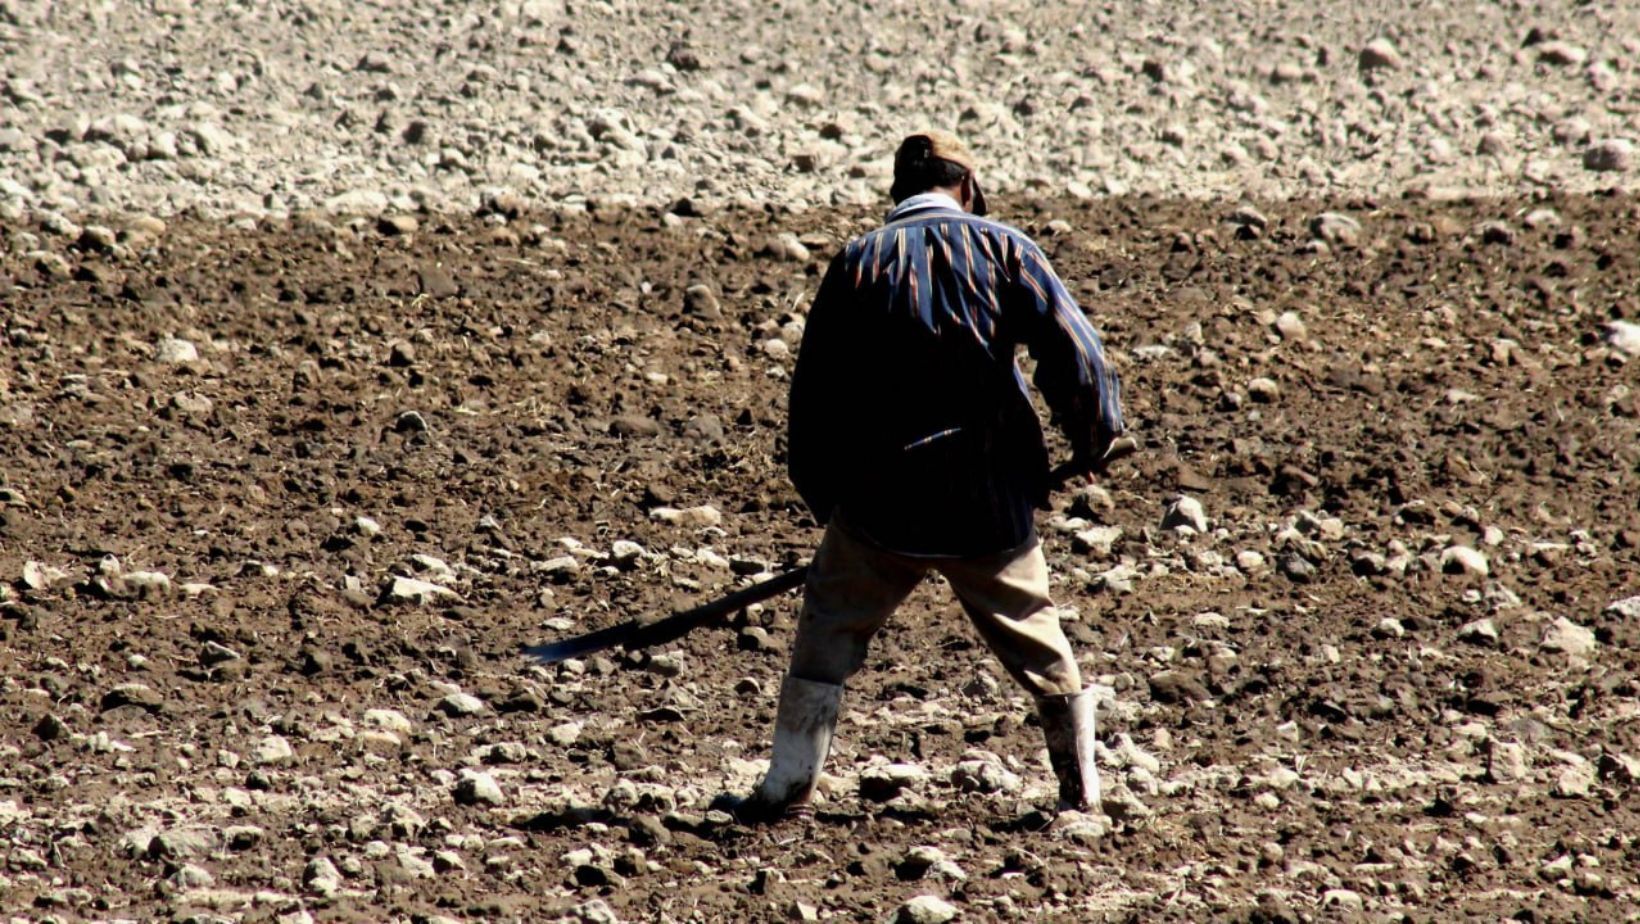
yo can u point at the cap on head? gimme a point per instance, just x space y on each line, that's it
918 165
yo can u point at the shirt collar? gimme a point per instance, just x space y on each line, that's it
921 201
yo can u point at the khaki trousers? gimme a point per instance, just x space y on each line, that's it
853 587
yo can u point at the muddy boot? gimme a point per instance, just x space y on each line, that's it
803 726
1067 725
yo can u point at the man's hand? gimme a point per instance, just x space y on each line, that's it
1091 463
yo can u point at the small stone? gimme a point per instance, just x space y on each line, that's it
1264 390
397 225
1574 781
192 404
1613 155
272 750
148 584
1379 54
1624 337
133 694
1336 228
635 427
173 351
185 843
321 877
624 553
477 788
1343 899
1097 541
1461 559
701 301
1249 560
1290 326
437 282
691 517
461 704
559 569
1506 762
1185 512
39 576
412 590
564 734
190 876
50 728
1627 608
884 782
1479 632
786 246
1389 627
1569 638
357 202
97 239
985 776
1561 54
926 909
1177 687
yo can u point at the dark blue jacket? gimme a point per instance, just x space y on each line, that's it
909 415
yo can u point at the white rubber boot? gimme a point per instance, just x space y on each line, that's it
1067 726
803 726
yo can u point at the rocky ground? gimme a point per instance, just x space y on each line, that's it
275 106
282 504
351 347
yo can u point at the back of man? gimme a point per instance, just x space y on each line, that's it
908 413
912 438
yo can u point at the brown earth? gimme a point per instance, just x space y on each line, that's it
1276 750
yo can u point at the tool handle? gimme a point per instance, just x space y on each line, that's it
678 625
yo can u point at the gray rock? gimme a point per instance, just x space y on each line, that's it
1379 54
134 694
1185 512
1336 228
884 782
926 909
701 301
1624 337
1566 637
461 704
1098 540
1482 632
273 750
175 351
1626 608
185 843
1613 155
1461 559
413 590
321 877
477 788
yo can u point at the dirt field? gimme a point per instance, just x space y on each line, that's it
214 708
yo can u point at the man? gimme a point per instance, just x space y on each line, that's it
912 439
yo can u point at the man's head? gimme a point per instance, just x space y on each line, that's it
935 161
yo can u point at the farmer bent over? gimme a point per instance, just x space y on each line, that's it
913 440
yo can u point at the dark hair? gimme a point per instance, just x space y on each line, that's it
917 170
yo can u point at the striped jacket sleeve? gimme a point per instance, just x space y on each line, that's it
814 430
1072 372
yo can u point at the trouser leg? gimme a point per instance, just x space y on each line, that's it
851 591
1006 598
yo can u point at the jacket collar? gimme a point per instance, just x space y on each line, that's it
922 202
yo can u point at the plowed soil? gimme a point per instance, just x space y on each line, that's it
1330 732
